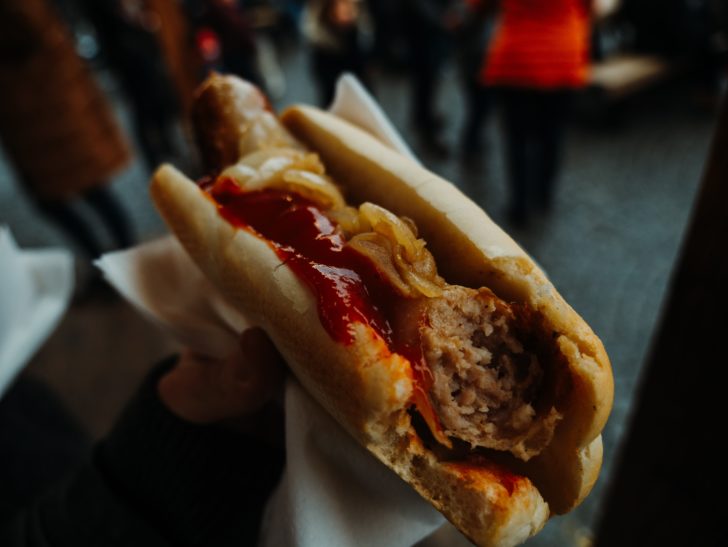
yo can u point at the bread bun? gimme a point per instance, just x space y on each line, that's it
363 386
366 387
471 250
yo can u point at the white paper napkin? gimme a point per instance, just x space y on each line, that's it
353 103
35 290
164 284
333 492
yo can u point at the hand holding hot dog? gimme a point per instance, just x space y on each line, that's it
203 390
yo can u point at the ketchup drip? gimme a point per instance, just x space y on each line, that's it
347 285
476 464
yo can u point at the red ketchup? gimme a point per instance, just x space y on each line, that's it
347 285
477 465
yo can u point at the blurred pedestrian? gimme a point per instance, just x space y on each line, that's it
226 36
473 30
388 44
335 30
425 26
538 57
704 27
56 125
178 49
128 31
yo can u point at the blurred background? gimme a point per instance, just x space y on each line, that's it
593 168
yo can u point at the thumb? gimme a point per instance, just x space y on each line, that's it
203 390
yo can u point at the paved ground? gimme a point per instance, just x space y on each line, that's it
624 198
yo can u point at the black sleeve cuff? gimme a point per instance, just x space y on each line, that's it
197 485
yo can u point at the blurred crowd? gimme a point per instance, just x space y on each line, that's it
530 58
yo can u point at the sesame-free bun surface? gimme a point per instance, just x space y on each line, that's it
364 386
471 250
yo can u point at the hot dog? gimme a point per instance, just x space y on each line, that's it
403 309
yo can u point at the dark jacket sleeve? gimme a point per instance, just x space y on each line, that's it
155 480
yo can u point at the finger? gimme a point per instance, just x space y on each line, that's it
203 390
192 390
252 376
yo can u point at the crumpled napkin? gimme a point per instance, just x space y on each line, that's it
333 492
35 290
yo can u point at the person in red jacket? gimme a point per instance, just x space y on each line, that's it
538 57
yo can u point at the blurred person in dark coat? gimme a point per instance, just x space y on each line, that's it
425 26
128 31
226 23
538 58
473 31
335 30
178 49
705 34
388 47
55 124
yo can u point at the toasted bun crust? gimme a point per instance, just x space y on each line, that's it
473 251
491 506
